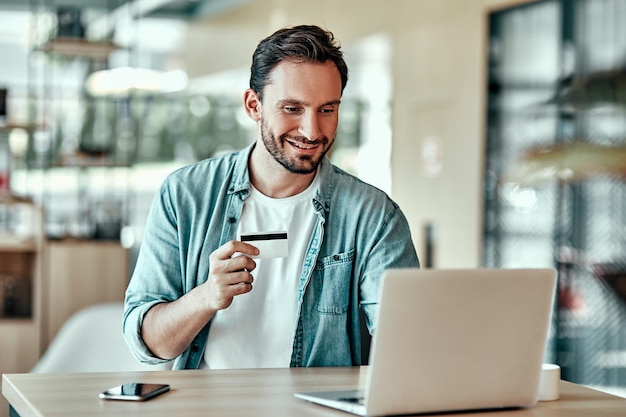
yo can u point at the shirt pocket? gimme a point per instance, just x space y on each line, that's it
332 277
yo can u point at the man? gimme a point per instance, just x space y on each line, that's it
201 296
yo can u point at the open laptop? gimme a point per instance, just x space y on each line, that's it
454 340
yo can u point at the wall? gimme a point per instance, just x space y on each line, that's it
439 49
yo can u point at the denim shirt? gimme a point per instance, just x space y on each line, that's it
358 234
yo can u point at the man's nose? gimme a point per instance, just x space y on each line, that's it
310 126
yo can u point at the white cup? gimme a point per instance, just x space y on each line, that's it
549 382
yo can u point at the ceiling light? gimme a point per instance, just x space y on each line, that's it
125 80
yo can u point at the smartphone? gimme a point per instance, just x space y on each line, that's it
134 391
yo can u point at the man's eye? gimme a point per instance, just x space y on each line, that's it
291 109
327 110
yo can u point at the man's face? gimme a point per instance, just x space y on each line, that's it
299 114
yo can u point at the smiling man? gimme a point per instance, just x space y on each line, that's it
264 257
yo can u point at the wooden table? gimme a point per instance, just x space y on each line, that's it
258 392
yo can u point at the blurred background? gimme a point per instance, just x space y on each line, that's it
497 125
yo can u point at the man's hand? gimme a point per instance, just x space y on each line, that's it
229 274
169 328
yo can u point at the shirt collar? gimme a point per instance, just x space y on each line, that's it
240 181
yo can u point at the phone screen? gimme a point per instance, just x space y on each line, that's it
134 391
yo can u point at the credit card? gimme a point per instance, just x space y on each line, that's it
270 244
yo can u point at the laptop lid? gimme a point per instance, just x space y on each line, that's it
454 340
451 340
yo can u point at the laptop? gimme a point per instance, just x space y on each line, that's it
454 340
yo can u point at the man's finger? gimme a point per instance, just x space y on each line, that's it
229 249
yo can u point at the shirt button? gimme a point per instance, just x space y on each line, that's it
335 258
232 220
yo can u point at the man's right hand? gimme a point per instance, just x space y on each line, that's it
169 328
229 274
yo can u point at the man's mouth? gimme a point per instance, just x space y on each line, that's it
302 145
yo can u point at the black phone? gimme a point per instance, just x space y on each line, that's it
134 391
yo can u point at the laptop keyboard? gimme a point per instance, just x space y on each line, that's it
353 400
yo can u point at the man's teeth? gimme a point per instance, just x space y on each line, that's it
302 146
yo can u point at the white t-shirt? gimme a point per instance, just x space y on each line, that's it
258 328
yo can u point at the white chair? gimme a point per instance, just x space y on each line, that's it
91 341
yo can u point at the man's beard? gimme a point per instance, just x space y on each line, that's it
304 164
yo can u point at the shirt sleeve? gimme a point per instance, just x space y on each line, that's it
391 247
157 276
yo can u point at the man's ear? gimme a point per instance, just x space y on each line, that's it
252 104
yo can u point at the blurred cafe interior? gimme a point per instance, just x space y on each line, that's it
499 127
